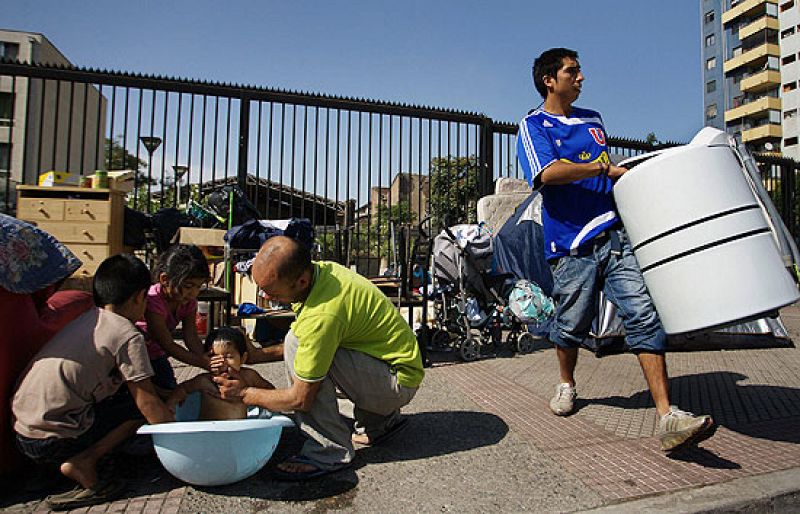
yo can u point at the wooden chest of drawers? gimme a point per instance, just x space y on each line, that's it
88 221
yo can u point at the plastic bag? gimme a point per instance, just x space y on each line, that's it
529 303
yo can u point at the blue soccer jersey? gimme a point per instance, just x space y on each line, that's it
572 214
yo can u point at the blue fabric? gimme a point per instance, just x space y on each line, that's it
251 234
574 213
577 280
248 309
30 258
519 248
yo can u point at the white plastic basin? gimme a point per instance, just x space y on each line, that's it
215 452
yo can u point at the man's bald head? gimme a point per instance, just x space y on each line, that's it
281 258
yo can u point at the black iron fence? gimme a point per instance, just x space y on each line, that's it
365 172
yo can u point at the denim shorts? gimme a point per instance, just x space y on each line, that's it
577 282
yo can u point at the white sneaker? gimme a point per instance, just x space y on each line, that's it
564 400
678 429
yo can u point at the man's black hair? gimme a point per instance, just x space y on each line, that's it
119 278
182 262
228 335
548 64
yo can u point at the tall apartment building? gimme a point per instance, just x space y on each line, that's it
789 16
45 125
742 53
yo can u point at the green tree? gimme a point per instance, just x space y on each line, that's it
454 190
651 139
117 158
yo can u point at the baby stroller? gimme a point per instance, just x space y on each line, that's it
472 314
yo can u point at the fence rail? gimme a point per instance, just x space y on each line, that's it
362 171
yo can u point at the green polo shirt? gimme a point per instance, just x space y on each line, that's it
345 310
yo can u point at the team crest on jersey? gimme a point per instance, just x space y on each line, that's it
546 123
584 156
598 136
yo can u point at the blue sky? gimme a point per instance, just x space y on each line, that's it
641 57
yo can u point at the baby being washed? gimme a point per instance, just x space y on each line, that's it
229 343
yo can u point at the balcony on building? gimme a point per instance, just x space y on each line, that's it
760 134
754 57
760 81
747 8
757 108
763 23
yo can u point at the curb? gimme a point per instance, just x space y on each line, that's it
771 492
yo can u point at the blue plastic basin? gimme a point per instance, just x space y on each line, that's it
215 452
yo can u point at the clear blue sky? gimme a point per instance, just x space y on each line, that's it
641 58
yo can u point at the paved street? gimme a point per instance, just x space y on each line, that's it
481 438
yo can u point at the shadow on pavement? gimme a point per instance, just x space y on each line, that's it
429 434
761 411
704 458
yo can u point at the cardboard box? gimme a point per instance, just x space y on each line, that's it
201 236
246 291
58 178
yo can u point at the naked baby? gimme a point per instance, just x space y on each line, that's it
231 345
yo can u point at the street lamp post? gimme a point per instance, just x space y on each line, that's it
151 144
180 171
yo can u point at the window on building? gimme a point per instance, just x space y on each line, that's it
711 112
788 32
790 141
789 59
6 107
9 50
711 86
787 5
791 113
709 17
5 156
737 51
711 63
710 40
789 86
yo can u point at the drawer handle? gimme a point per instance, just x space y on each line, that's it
87 212
44 212
87 253
88 235
85 272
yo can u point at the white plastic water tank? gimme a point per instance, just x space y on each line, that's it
706 251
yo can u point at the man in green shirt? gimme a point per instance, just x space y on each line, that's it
347 336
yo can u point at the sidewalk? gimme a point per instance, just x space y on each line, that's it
482 439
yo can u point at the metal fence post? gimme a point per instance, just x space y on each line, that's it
486 157
244 142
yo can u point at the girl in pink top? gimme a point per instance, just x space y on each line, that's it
179 275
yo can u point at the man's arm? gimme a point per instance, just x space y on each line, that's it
561 172
299 397
264 354
149 404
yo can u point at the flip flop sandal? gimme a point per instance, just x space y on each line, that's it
395 429
86 497
298 476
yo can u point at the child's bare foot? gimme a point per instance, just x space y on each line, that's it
80 470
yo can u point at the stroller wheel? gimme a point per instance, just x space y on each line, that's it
525 343
469 348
